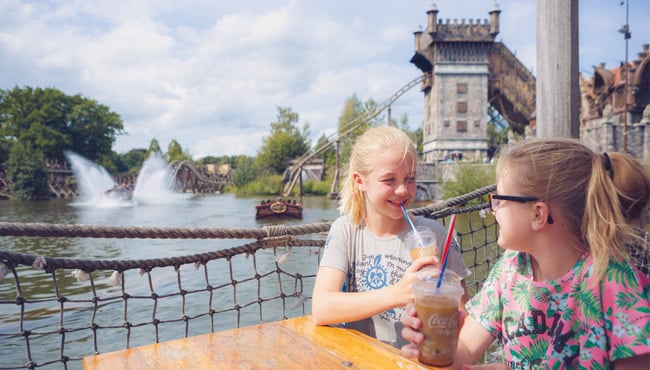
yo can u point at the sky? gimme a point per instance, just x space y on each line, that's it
211 74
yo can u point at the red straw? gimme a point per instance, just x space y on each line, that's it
445 252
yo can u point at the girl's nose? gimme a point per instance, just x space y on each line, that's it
401 189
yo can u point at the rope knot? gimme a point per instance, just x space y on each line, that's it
275 230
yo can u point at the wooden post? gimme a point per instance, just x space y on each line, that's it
334 193
626 35
558 94
301 193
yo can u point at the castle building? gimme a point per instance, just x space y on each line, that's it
615 107
454 58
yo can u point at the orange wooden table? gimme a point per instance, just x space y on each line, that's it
288 344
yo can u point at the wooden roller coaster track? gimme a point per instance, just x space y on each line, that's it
185 177
348 129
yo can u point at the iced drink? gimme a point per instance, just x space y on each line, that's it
422 243
429 250
438 311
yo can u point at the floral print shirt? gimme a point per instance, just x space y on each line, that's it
566 323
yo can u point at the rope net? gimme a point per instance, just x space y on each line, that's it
79 307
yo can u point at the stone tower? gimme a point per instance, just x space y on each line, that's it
454 58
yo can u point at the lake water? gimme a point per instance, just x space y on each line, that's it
181 211
216 210
166 210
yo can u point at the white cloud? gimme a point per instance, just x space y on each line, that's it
211 74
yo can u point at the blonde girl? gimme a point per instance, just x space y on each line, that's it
365 275
563 294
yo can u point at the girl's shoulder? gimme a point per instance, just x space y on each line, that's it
343 226
345 222
511 264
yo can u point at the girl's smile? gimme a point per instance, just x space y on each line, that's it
389 184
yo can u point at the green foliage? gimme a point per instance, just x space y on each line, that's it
418 138
469 177
38 123
285 142
53 122
416 135
266 185
109 164
26 172
209 160
154 147
131 161
352 123
327 155
93 128
244 171
312 187
176 153
229 160
5 145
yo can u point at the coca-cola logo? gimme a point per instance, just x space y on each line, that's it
447 322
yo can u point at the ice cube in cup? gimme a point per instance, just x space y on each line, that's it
422 243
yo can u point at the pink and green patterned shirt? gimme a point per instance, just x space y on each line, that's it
565 324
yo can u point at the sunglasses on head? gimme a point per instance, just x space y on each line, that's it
495 201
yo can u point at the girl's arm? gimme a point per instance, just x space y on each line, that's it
473 341
331 305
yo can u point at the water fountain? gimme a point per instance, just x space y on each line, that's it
94 183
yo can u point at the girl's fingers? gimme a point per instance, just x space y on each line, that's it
410 350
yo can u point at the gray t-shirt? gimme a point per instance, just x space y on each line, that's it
371 262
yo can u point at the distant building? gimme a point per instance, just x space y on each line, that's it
314 169
464 72
607 123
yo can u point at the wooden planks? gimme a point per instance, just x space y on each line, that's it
288 344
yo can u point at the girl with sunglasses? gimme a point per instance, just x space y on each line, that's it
563 295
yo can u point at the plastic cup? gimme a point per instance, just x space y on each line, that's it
423 243
437 308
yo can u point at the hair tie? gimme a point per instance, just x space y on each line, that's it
608 165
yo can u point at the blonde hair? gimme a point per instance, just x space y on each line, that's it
574 181
362 161
632 183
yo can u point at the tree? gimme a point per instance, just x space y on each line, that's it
132 161
353 122
154 147
176 153
245 171
285 142
328 155
209 160
53 122
469 177
92 128
26 172
415 135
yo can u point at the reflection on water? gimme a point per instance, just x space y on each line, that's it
220 211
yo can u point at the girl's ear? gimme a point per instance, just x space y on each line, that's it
542 216
358 182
